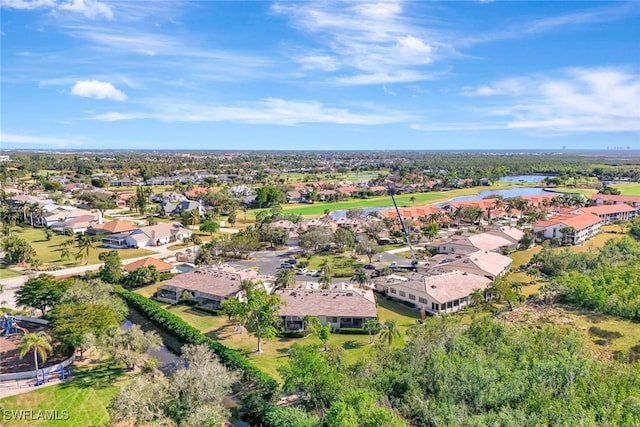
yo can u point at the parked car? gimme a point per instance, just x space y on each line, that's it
286 265
369 267
303 271
291 261
393 264
313 273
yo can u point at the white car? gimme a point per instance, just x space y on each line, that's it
312 273
303 271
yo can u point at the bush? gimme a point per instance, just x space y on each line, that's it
207 310
603 333
355 331
409 304
259 382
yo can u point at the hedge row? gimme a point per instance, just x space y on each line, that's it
265 385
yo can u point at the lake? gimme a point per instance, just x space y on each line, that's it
524 178
511 192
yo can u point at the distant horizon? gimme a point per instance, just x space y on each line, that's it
199 150
323 76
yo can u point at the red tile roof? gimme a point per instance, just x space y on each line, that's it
148 262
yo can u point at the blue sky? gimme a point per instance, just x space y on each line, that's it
319 75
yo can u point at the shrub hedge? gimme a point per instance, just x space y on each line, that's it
263 384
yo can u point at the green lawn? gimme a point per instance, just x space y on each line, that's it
6 273
49 250
628 189
85 398
318 208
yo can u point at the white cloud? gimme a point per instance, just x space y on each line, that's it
379 41
575 100
318 62
270 111
27 4
402 76
88 8
97 89
37 140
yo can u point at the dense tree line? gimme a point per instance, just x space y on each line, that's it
607 280
483 374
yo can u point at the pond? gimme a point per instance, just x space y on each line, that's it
511 192
166 358
525 178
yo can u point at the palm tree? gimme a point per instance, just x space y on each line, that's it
84 243
373 327
389 331
327 267
361 277
40 343
285 278
477 297
325 280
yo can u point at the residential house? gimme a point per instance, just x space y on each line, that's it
378 190
568 227
78 224
209 286
414 213
161 266
171 208
194 193
513 234
466 244
295 196
342 306
112 227
610 199
321 222
326 194
153 235
161 180
481 263
122 182
290 227
240 191
168 196
611 213
436 292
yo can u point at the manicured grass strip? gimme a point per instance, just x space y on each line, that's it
318 208
48 251
85 399
628 189
6 273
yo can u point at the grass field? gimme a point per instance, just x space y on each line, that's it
628 189
85 398
318 208
7 273
49 250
